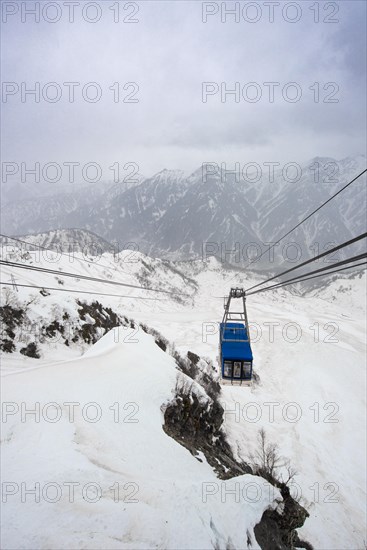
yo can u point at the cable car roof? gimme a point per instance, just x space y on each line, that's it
234 342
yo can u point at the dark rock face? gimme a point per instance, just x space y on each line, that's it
197 426
193 357
158 338
195 421
94 321
202 371
294 515
31 351
277 529
268 534
105 319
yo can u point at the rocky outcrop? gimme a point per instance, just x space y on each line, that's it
194 419
196 424
277 529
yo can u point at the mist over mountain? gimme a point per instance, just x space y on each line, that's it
63 241
183 322
229 214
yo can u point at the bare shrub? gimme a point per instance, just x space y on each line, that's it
267 462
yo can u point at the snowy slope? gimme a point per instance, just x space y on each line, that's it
160 502
325 379
129 267
320 377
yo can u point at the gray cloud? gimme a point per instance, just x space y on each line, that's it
169 53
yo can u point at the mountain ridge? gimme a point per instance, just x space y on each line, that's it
174 215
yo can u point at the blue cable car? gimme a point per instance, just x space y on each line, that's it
234 342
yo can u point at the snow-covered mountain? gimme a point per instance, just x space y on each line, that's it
39 208
149 487
64 240
178 217
178 477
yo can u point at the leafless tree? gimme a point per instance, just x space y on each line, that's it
267 461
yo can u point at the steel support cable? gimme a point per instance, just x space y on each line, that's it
308 217
55 251
299 278
319 275
84 277
81 291
330 251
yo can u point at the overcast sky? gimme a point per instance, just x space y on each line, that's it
169 53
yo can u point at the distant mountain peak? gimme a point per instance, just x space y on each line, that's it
171 214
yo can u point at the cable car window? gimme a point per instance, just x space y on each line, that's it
247 370
237 369
228 368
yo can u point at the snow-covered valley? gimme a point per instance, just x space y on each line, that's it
183 275
106 475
